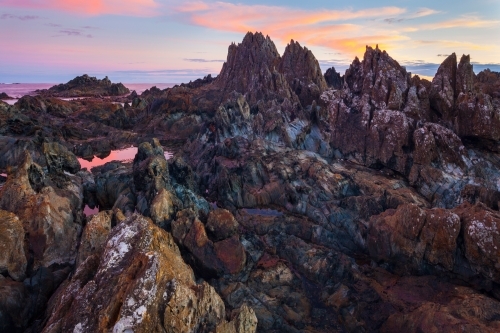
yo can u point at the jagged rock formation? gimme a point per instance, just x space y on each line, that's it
297 202
334 79
302 72
140 283
86 86
4 96
252 68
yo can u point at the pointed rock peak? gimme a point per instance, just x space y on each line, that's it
465 76
303 73
334 79
250 69
450 61
465 59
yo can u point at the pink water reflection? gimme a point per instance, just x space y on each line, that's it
87 211
126 154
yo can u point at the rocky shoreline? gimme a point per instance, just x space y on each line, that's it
295 201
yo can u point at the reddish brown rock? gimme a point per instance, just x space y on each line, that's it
12 256
51 216
426 304
482 239
225 256
442 94
139 284
222 224
379 77
231 253
420 236
302 72
251 68
94 236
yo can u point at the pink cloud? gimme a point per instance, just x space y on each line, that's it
90 7
313 27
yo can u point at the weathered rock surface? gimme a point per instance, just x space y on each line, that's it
94 236
302 72
49 207
140 284
4 96
222 255
334 79
12 257
356 203
86 86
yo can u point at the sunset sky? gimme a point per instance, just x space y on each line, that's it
177 41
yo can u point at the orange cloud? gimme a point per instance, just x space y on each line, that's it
462 22
314 27
91 7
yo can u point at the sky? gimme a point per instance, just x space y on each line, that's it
153 41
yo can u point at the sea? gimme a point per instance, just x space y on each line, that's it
18 90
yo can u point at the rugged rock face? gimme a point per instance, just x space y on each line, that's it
297 202
12 257
252 68
49 207
140 284
4 96
302 72
334 79
86 86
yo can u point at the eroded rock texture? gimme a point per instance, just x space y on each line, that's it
295 202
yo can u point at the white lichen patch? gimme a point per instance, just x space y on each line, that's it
484 232
140 298
118 246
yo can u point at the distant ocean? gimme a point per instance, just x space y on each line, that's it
18 90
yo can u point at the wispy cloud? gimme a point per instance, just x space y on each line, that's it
202 60
453 44
18 17
312 27
461 22
422 12
72 32
91 7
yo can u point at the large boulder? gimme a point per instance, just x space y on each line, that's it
12 257
140 283
51 215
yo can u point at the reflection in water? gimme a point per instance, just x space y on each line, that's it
264 212
126 154
87 211
2 175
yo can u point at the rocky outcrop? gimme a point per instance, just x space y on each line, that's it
302 72
223 254
462 103
94 236
362 203
4 96
49 207
12 257
86 86
252 69
139 283
199 82
333 79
